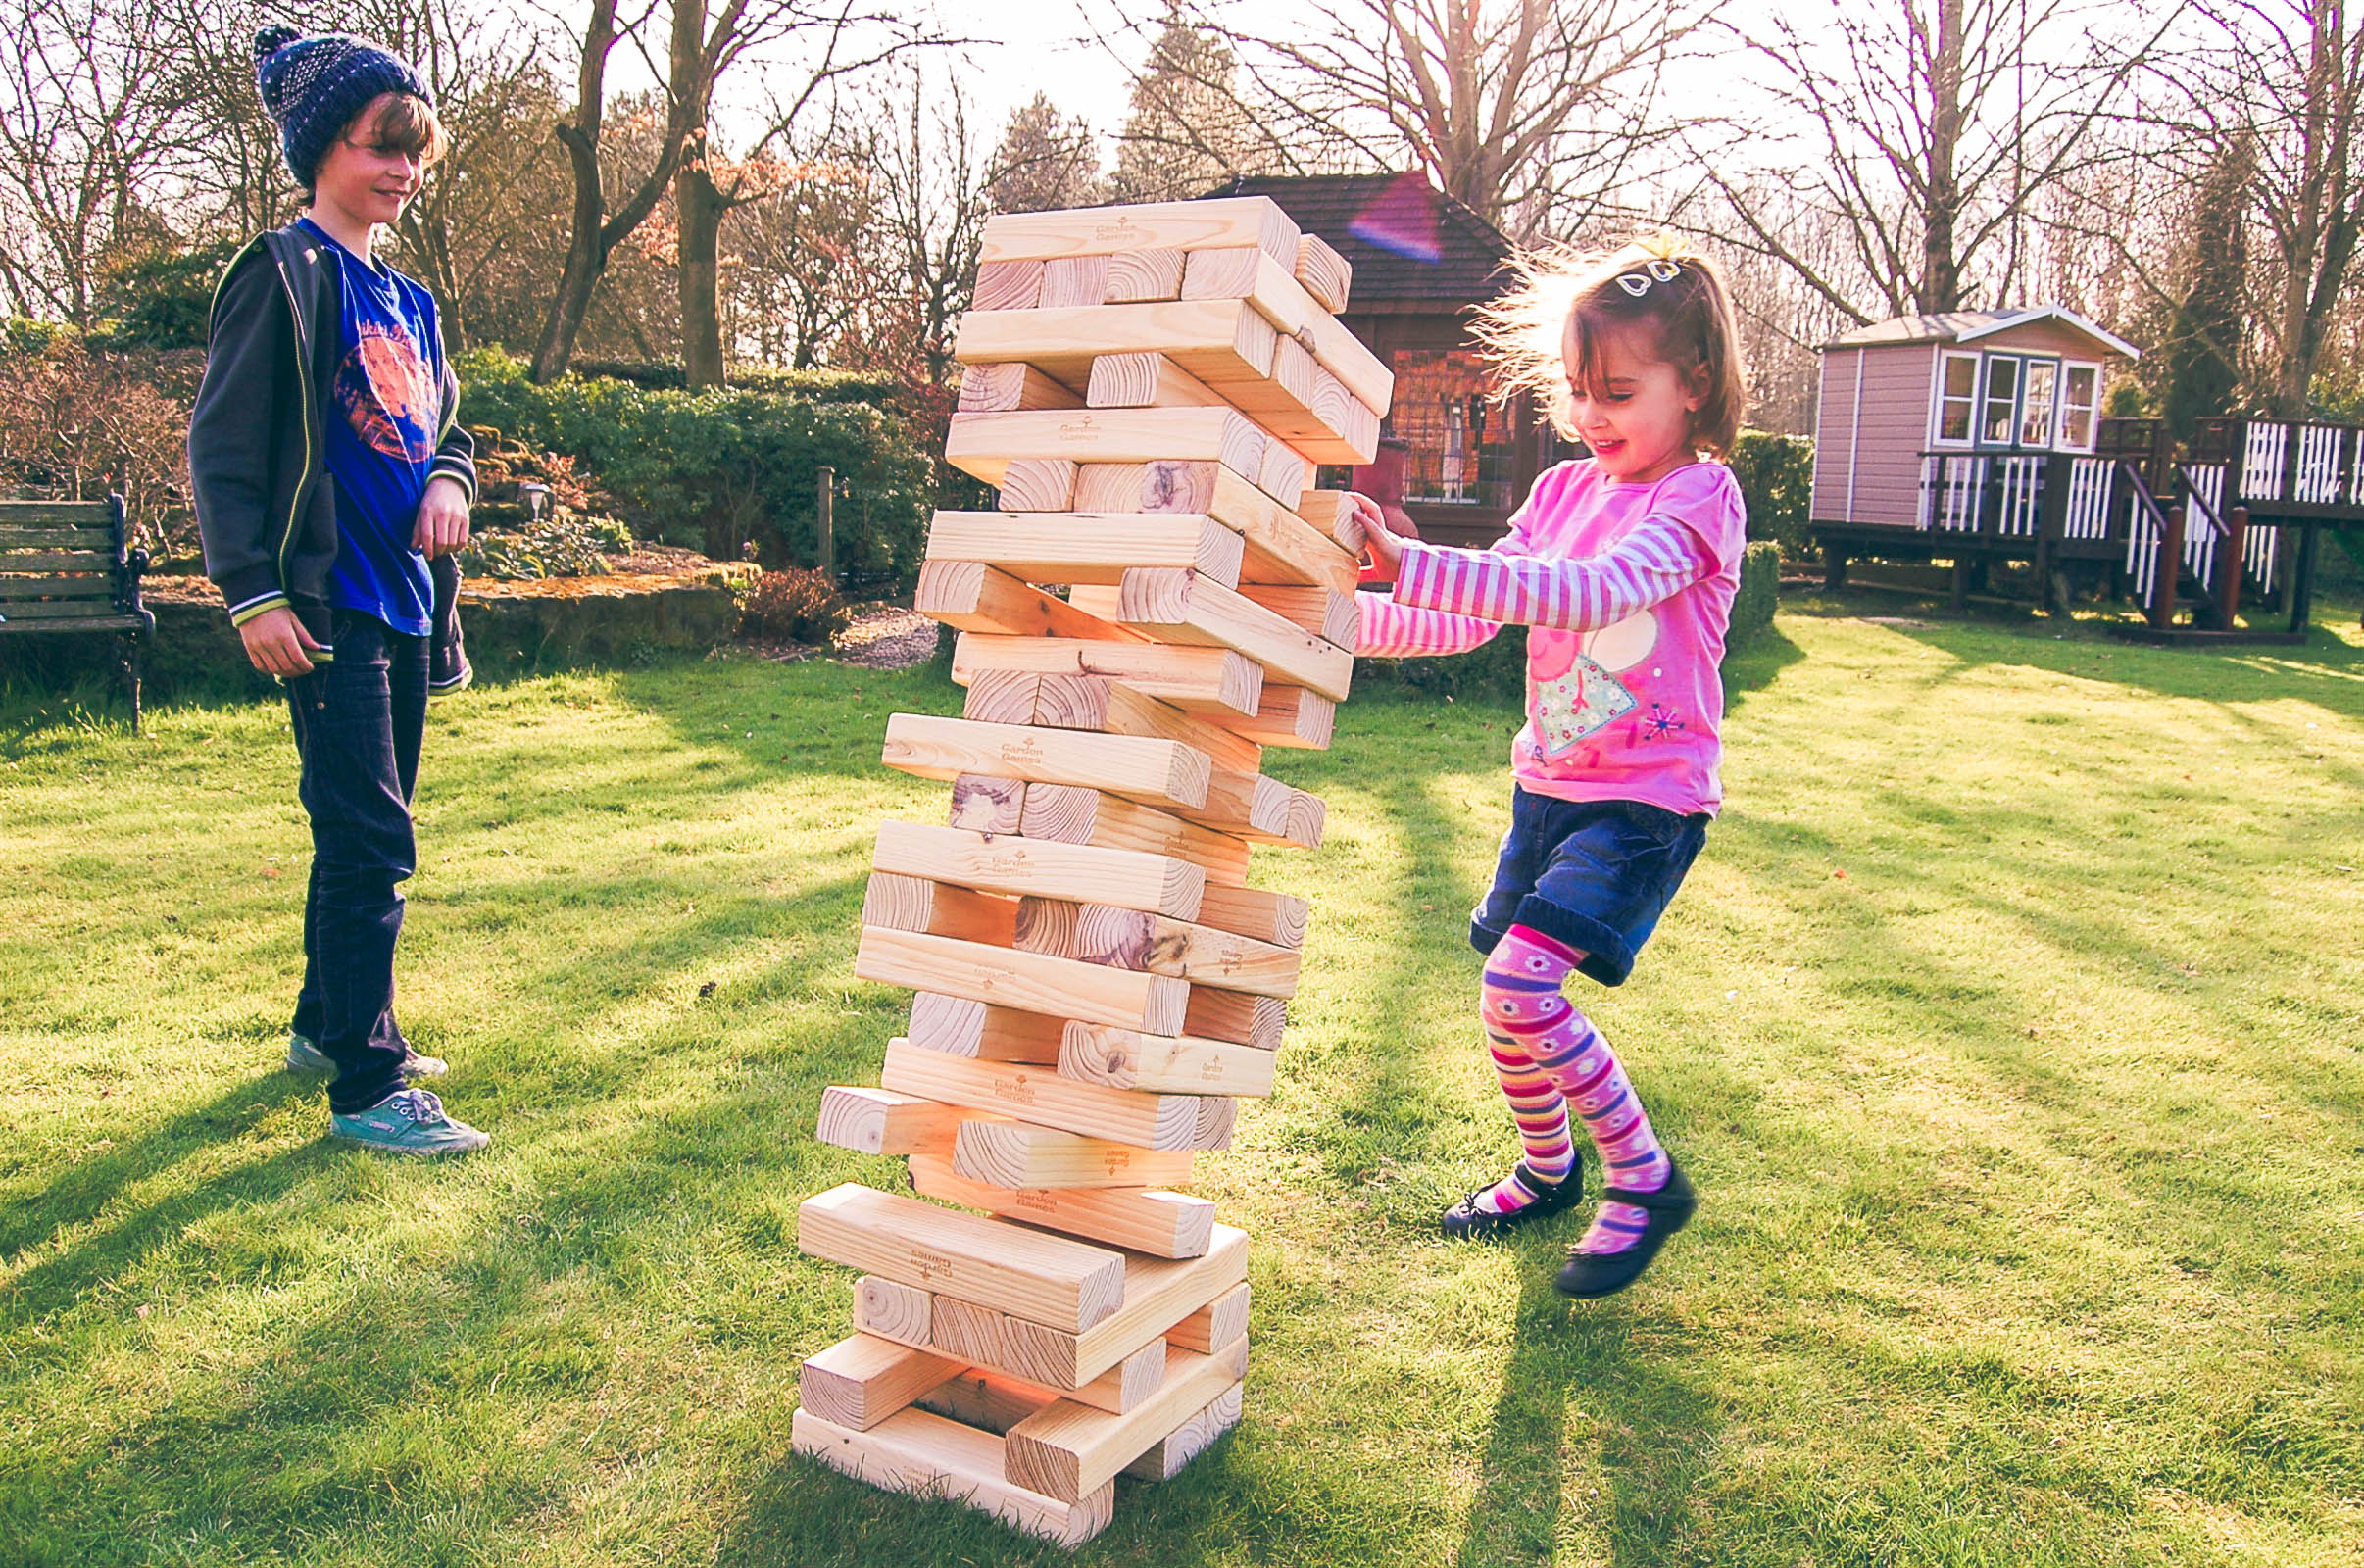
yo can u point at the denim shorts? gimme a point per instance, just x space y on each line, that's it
1596 874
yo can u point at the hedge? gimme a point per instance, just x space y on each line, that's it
813 386
1776 475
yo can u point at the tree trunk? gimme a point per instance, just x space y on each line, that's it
1941 270
586 259
699 207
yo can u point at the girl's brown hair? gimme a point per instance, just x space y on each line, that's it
1566 301
403 123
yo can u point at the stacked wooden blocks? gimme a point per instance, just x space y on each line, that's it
1159 597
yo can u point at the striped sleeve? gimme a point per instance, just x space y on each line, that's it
1658 560
1392 630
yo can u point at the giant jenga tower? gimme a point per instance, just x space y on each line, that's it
1149 387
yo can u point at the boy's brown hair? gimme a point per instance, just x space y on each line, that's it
1567 300
402 124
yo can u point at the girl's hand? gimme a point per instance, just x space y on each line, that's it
442 517
1380 544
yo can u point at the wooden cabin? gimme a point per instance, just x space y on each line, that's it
1422 262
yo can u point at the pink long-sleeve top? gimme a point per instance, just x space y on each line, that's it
1627 590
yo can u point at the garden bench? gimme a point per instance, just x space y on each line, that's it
64 569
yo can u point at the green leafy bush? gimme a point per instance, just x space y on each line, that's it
1776 475
1760 593
798 605
569 545
730 473
813 386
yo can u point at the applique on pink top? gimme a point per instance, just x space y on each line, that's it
1628 591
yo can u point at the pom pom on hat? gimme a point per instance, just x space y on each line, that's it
272 39
314 87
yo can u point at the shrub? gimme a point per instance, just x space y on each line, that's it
1776 475
813 386
75 426
798 605
1760 592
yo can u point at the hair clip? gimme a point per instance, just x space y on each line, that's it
1657 270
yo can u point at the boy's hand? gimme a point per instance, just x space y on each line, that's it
442 517
276 643
1379 542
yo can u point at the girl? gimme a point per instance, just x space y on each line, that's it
1624 563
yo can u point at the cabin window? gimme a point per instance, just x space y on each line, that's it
2037 405
2001 403
1957 399
2080 403
1462 447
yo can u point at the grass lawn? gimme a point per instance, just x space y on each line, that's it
2009 1025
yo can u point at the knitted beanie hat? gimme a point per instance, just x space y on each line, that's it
315 86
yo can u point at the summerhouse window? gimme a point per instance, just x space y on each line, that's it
1957 399
2080 406
2001 414
2037 407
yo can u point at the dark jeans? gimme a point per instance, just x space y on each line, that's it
1594 874
358 720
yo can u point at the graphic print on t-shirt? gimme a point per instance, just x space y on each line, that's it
1577 692
387 392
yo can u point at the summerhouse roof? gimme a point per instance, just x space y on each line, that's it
1426 251
1967 327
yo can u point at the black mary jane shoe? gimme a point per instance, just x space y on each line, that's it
1588 1275
1466 1219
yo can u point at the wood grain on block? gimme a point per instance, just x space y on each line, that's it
1280 546
1327 512
1126 1058
892 1310
1327 613
1339 409
1147 381
1281 300
1045 1099
1288 716
1180 607
1158 1293
975 597
1200 680
1236 1016
1324 274
874 1121
1020 1155
1156 772
1003 696
1027 981
1070 280
984 803
1128 1385
1284 405
861 1380
1007 287
1275 917
983 445
899 902
1164 1460
1035 484
1070 1450
1050 1280
1136 277
1006 389
1000 863
1085 547
959 1026
1111 708
921 1453
1216 340
1219 1322
1256 221
1263 810
1148 1220
1047 925
1069 815
1283 473
1203 954
986 1400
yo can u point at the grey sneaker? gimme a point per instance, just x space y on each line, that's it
305 1057
408 1121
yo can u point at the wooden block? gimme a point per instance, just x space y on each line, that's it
1262 810
1047 925
1045 1099
1007 287
1035 484
1179 606
1163 1459
1334 617
1211 681
975 597
920 1452
999 863
1219 1322
1128 1385
1287 716
1070 280
1324 274
892 1310
1275 917
1020 1155
1069 1450
1135 277
1328 512
1157 1295
1126 1058
983 445
874 1121
1281 547
989 1400
861 1380
1111 708
1256 220
1003 388
984 803
1214 340
1027 981
1086 547
1236 1016
1153 771
1043 1278
1283 473
1161 1224
1355 422
1266 283
960 1027
898 903
1070 814
1147 381
1203 954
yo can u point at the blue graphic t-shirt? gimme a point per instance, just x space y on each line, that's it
385 412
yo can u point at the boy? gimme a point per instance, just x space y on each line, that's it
331 482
